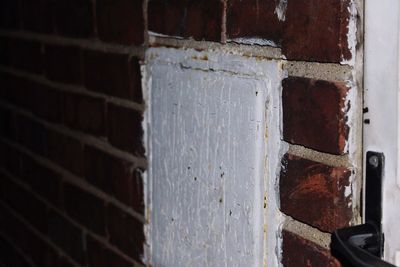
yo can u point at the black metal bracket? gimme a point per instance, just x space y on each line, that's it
362 245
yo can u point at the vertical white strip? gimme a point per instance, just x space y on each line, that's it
381 81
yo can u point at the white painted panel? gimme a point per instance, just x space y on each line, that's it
206 121
381 97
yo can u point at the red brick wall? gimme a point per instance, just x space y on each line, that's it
71 106
71 189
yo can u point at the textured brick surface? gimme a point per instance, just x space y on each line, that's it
125 129
253 19
120 21
314 193
85 208
32 135
17 91
298 251
10 159
74 18
11 257
66 151
67 236
112 74
100 256
85 113
126 232
9 14
46 102
63 64
316 30
114 176
7 124
42 180
25 204
313 114
26 55
198 19
37 15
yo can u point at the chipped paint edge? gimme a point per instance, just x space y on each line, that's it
351 34
147 186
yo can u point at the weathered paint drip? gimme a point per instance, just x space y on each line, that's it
211 158
351 34
280 10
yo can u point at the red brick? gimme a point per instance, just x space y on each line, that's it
15 230
316 30
125 129
85 113
43 254
18 91
26 55
42 180
253 19
64 64
66 236
32 135
66 151
7 124
10 256
74 18
100 256
37 15
46 102
126 232
198 19
5 51
298 251
64 262
10 158
314 193
24 203
115 176
85 208
9 14
112 74
313 114
120 21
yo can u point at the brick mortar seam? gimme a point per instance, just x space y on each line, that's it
72 88
54 246
80 182
320 71
313 155
86 139
306 231
93 44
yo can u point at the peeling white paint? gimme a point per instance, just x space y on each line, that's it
211 158
156 34
253 41
352 146
146 87
351 34
280 10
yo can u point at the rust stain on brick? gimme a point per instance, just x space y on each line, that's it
315 193
298 251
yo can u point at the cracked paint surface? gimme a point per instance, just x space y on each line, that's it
207 116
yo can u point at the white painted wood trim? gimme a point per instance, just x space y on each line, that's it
381 85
